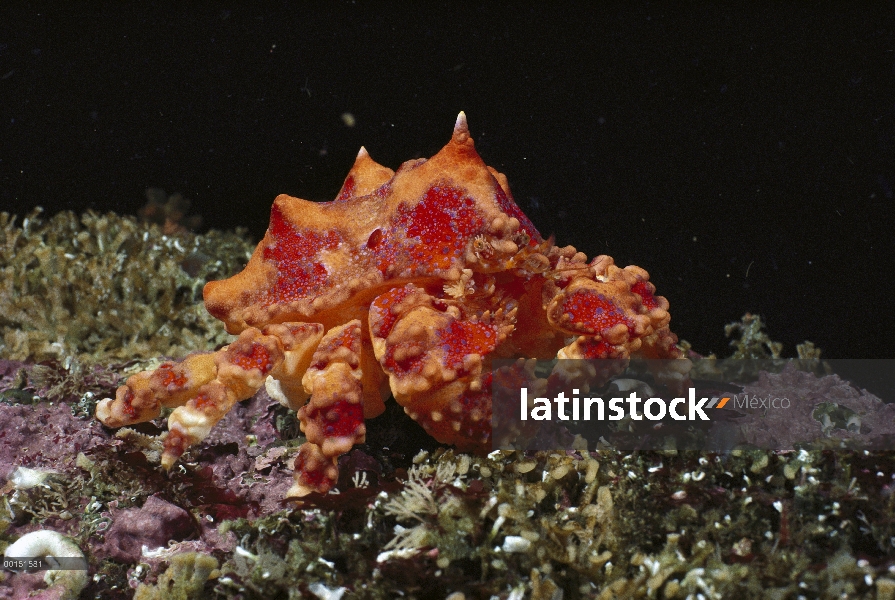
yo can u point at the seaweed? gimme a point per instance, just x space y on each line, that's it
185 579
107 287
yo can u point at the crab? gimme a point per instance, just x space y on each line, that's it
410 283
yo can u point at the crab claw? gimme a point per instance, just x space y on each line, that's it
434 355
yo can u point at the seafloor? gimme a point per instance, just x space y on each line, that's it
86 300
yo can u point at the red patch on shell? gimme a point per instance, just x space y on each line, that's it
443 221
169 377
647 294
593 310
347 189
341 419
294 253
127 405
461 338
382 317
258 357
203 400
312 471
348 337
176 443
511 209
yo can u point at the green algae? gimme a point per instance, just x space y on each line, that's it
185 578
750 340
56 496
107 287
604 525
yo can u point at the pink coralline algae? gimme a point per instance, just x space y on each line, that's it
153 525
43 435
870 422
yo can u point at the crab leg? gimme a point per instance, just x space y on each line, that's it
333 419
205 386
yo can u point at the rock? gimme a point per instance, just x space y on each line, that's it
152 526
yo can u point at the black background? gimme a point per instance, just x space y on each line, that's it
744 157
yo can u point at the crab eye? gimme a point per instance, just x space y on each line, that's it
375 239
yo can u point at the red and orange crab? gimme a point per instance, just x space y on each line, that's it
408 284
